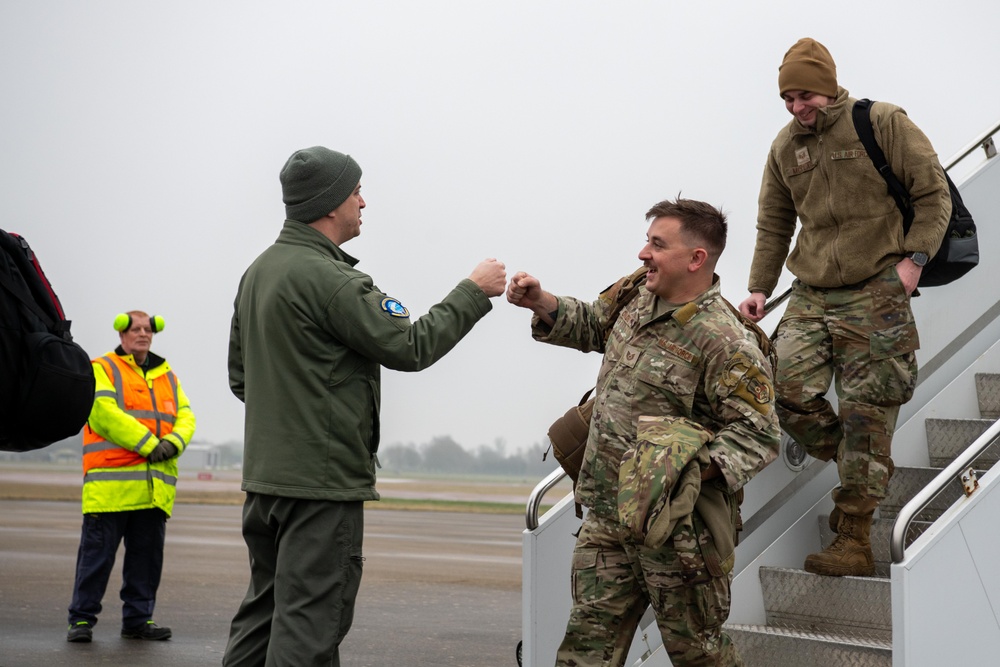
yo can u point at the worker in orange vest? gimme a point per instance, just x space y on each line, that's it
140 424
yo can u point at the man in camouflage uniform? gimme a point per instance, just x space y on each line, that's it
849 312
675 351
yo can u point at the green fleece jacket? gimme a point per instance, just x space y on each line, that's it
308 338
851 228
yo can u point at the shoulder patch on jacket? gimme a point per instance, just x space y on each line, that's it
394 308
744 378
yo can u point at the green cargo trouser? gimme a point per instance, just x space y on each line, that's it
615 579
305 571
865 336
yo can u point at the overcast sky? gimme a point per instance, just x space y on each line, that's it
141 145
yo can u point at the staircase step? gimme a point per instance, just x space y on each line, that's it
947 438
988 390
906 482
764 646
853 607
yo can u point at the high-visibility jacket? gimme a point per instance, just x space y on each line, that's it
133 410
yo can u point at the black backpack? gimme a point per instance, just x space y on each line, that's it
959 251
46 380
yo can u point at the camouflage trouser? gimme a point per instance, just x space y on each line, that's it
865 336
614 580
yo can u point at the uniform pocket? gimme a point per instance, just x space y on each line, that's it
892 375
584 576
668 377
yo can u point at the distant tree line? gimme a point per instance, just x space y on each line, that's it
443 455
70 451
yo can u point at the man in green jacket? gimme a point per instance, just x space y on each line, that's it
849 313
309 336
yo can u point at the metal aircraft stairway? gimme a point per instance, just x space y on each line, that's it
847 621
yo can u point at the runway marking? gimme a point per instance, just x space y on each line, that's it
499 560
449 539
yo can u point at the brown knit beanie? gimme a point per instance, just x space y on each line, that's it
316 180
808 66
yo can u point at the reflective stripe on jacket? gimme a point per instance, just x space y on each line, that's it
132 412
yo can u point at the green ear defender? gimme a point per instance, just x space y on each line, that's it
123 322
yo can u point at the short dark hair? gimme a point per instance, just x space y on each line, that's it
701 222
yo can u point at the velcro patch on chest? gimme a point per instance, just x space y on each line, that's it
630 355
676 350
848 155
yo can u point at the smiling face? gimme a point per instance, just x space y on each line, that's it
805 105
670 258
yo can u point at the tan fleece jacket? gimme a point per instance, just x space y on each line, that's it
851 228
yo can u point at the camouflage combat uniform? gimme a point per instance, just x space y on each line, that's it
849 314
696 361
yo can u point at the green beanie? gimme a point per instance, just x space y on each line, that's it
808 66
315 181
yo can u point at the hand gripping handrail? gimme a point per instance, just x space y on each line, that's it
556 476
910 510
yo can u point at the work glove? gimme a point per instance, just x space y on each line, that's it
163 451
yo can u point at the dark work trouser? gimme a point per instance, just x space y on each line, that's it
143 532
305 571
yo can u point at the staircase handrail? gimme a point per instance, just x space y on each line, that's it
535 500
984 141
556 476
910 510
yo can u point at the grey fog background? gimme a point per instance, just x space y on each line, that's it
141 144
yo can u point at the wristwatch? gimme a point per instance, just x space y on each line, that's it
919 258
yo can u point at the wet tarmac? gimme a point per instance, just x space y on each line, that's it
439 588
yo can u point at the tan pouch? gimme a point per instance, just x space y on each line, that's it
568 436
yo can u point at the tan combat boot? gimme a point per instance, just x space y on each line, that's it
851 551
835 518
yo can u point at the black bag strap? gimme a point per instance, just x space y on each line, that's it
28 303
18 289
861 114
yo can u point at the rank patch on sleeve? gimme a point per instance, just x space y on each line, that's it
394 308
